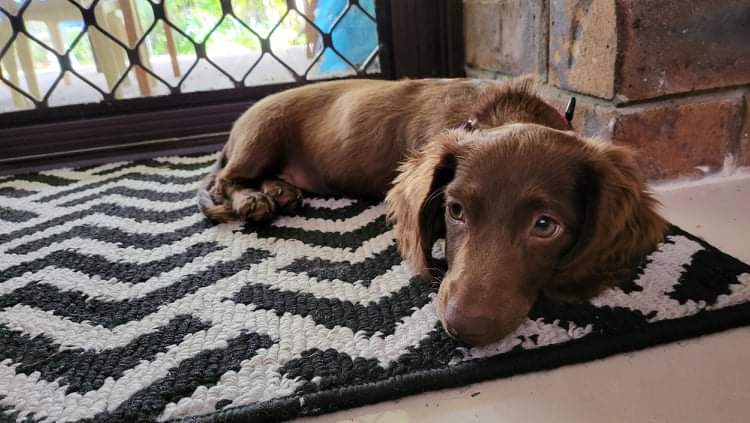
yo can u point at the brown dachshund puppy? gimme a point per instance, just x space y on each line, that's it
523 203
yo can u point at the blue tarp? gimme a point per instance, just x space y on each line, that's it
355 37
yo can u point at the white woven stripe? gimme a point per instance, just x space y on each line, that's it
740 293
49 209
130 184
207 158
658 279
95 219
327 225
69 173
45 189
109 251
298 248
124 224
222 234
113 290
531 334
109 290
327 203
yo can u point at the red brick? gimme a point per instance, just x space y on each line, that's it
591 118
507 36
674 138
675 46
582 46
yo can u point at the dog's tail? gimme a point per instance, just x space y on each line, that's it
218 212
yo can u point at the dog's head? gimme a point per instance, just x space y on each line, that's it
515 101
523 208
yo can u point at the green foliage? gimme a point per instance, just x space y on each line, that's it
82 55
197 17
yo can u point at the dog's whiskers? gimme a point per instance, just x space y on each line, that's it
432 197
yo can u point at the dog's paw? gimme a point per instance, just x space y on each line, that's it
286 196
253 205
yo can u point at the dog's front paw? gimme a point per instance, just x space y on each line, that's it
253 205
286 196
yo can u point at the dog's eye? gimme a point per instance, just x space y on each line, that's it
545 227
469 125
456 211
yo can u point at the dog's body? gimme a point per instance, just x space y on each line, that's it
346 137
432 147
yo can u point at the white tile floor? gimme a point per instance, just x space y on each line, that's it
705 379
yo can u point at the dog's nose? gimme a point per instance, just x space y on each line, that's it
468 328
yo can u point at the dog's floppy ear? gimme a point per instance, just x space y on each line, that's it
620 224
416 203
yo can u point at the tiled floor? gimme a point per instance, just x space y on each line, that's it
705 379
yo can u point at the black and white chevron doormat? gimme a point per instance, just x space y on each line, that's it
119 302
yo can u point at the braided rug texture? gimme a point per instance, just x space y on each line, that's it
120 302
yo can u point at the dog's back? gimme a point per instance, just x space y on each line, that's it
320 135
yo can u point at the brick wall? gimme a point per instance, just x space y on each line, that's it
670 77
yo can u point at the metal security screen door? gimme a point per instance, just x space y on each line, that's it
63 52
88 80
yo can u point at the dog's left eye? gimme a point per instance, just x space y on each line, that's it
456 211
545 227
